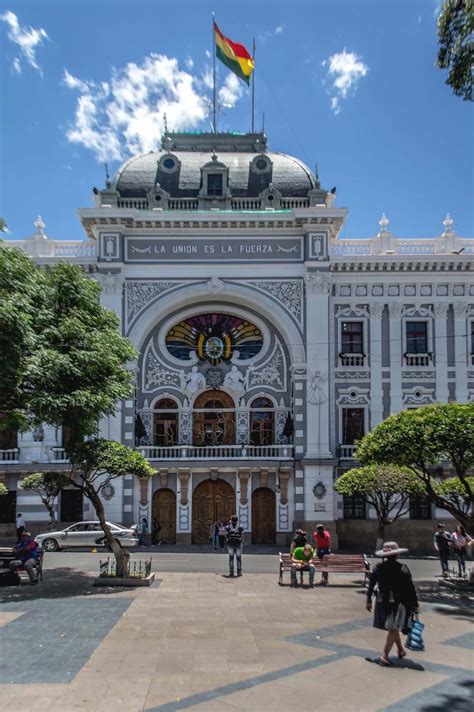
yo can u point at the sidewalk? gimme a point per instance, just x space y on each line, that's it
200 641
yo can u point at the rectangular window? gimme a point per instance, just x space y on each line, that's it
417 337
214 184
352 338
354 507
8 508
352 425
420 507
71 505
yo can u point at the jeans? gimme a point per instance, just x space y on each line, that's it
320 553
237 552
444 559
29 565
460 555
215 541
306 567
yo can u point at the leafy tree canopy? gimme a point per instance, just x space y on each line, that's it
456 47
47 485
454 490
374 479
3 489
3 225
420 439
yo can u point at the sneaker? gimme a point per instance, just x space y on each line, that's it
240 573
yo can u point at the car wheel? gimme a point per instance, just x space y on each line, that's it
50 545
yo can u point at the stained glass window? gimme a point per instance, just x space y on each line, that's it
214 337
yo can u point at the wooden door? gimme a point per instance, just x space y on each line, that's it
164 517
213 501
263 516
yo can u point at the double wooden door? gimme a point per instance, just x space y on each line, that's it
263 516
213 501
164 517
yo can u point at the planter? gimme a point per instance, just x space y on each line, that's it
128 581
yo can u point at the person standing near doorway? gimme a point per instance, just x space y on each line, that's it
234 544
221 534
20 526
214 534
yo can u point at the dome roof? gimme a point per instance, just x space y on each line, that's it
139 175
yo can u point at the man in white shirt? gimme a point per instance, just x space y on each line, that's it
20 525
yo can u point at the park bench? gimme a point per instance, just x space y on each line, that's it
331 563
7 555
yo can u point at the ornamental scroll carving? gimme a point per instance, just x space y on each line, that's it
284 476
288 292
271 374
184 476
360 311
244 476
139 294
156 375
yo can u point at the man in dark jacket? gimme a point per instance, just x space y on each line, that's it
26 552
234 544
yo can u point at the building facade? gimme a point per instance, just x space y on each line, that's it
268 345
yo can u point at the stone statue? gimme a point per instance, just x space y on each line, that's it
234 381
316 393
195 382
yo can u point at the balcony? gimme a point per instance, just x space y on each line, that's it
350 360
417 360
59 455
217 452
10 456
346 452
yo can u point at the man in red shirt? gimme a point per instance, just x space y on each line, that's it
322 540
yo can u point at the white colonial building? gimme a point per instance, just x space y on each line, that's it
268 345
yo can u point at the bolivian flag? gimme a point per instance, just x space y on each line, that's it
233 55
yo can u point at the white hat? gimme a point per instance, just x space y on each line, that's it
390 548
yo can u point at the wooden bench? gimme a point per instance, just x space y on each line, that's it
7 555
331 564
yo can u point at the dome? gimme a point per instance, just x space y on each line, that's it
177 168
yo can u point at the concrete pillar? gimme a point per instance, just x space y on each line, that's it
460 351
440 349
184 507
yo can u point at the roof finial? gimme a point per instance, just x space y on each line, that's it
107 175
383 222
448 223
316 175
165 120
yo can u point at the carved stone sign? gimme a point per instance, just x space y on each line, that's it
202 249
213 378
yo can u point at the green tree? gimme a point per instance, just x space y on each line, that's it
3 225
387 488
47 485
420 439
454 490
455 53
3 489
94 464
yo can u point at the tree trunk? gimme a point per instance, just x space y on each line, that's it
52 517
380 534
122 556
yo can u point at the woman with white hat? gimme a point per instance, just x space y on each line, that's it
396 599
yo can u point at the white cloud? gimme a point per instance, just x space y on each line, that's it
230 92
345 69
126 114
27 40
268 34
189 62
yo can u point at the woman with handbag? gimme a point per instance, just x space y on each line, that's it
461 540
397 599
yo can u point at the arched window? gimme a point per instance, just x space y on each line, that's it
166 423
214 419
262 422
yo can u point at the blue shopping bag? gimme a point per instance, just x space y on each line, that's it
415 635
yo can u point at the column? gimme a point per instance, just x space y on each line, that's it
460 350
440 348
317 361
183 508
284 524
396 340
243 502
375 360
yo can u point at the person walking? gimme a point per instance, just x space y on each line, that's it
20 526
461 540
322 540
143 532
397 600
441 541
214 534
234 544
221 534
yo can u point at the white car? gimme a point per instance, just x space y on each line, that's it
86 534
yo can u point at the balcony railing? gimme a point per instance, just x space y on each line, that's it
352 360
346 452
10 455
59 455
217 452
415 360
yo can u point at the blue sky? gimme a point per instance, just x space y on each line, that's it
349 84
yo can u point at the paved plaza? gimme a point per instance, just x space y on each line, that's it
201 641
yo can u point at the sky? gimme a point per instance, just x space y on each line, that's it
349 85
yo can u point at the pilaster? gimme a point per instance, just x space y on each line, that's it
376 393
396 340
441 352
460 350
183 507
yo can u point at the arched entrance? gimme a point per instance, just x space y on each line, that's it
214 419
213 501
164 517
263 516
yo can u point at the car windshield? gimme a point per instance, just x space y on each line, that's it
119 526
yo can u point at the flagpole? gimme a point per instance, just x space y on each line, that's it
214 120
253 89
